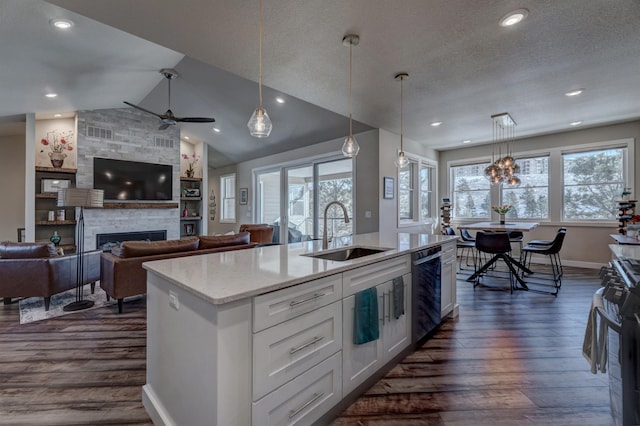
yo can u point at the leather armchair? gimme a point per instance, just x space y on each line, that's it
36 270
258 233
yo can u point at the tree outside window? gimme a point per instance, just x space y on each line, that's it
531 199
471 191
593 181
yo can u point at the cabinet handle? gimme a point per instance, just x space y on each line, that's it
313 399
308 299
309 343
389 310
383 297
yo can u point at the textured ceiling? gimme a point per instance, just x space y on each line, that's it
463 67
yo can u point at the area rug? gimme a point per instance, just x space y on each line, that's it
32 308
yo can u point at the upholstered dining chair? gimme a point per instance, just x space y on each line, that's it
498 245
553 252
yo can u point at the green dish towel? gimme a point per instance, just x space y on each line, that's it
365 324
398 297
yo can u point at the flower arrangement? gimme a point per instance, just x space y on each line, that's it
191 161
502 209
58 142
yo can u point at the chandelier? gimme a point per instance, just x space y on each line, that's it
503 169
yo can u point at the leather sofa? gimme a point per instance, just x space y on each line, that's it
121 271
36 270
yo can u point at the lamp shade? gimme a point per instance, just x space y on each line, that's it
80 197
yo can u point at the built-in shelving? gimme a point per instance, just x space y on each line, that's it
192 225
46 205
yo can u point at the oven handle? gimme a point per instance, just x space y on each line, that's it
637 318
426 259
611 323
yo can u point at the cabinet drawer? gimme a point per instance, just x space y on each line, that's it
273 308
287 350
303 400
362 278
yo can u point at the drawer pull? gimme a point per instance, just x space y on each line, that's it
309 343
308 299
313 399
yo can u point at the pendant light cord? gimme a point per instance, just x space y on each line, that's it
260 65
401 110
350 73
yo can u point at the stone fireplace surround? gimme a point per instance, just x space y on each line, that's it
134 134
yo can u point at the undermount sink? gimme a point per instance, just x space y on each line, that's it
346 253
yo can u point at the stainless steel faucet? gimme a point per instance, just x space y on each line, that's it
325 243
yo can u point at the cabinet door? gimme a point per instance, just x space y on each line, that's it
358 361
396 333
448 279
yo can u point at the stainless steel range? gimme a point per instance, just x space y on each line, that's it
621 313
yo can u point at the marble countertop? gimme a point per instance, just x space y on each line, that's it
625 251
234 275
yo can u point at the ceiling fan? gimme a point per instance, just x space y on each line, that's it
168 119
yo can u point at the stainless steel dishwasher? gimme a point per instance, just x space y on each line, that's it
426 281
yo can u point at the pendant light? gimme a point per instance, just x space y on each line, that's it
350 147
503 169
260 124
402 160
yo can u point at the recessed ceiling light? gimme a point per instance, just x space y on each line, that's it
514 17
466 141
575 123
575 92
57 115
436 123
186 138
280 100
215 129
51 95
61 24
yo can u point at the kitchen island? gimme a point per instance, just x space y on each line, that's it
264 336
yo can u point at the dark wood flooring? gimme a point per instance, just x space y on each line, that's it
508 359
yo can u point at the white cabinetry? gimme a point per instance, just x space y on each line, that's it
297 363
359 362
448 301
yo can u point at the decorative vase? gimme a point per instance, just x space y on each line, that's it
502 219
185 212
189 173
57 159
55 238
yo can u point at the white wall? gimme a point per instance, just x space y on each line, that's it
585 244
12 194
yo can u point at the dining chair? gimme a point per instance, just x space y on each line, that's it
498 245
553 252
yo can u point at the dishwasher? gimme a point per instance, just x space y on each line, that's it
426 282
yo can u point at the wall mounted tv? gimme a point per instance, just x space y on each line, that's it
132 180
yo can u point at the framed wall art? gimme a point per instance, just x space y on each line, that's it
388 187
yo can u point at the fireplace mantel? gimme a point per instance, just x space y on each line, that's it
118 205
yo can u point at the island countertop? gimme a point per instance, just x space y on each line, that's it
234 275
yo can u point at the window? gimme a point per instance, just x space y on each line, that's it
592 182
415 191
228 196
471 191
531 199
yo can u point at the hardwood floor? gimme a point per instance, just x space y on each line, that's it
508 359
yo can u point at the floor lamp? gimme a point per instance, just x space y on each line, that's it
80 197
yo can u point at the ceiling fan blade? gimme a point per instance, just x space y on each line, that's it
163 126
196 120
145 110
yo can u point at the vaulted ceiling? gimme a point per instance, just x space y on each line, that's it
463 66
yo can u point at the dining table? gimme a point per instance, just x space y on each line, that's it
507 226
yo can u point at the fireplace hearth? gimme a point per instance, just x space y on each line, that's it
106 242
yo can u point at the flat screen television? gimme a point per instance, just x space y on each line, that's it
131 180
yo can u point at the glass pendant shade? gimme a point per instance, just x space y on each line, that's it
514 181
350 147
402 161
259 124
